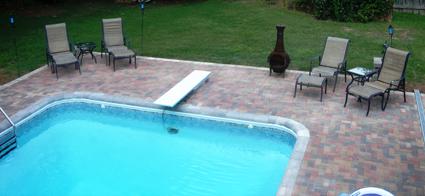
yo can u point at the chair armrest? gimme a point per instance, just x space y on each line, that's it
48 55
343 64
102 46
312 59
72 47
349 85
126 42
298 78
396 82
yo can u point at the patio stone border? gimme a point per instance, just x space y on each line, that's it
24 77
177 61
421 113
302 133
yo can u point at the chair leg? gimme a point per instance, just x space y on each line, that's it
295 90
135 62
336 80
56 70
301 86
79 67
346 98
114 63
321 93
52 68
404 92
326 84
93 57
270 71
368 106
382 102
386 101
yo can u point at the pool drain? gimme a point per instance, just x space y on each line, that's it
172 130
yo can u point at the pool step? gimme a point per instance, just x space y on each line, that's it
7 137
7 143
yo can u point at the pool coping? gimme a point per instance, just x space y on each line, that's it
302 133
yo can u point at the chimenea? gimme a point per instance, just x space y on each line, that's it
278 59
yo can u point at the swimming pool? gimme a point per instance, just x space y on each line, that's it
80 148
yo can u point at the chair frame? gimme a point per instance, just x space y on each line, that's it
342 66
49 56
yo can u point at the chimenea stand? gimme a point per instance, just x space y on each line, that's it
278 59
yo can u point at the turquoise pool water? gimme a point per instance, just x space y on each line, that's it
84 149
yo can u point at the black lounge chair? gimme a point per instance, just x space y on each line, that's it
114 43
391 77
333 61
59 51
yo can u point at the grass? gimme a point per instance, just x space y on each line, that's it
236 32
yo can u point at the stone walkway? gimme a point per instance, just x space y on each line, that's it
346 151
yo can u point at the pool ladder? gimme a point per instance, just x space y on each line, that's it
7 136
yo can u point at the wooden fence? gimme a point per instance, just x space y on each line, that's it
411 6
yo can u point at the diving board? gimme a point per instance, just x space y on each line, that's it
191 82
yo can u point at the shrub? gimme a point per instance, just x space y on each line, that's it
303 5
352 10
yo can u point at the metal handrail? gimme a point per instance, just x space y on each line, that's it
8 119
420 111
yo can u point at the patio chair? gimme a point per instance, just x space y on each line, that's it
59 51
114 43
333 61
391 77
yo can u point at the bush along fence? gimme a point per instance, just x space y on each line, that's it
346 10
411 6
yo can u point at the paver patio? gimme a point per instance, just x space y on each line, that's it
347 150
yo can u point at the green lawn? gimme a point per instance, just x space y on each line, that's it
236 32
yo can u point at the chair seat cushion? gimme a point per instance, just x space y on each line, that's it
64 58
122 53
324 71
378 84
112 48
311 80
365 91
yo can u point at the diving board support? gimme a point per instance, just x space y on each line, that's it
190 83
7 137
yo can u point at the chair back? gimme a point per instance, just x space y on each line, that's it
57 38
393 65
112 32
335 52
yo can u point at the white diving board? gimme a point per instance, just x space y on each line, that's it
191 82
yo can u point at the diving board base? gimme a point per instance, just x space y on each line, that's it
190 83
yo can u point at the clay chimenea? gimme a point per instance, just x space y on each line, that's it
278 59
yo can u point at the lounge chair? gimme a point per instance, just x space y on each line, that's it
391 77
59 51
114 43
333 61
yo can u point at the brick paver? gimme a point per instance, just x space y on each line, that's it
347 150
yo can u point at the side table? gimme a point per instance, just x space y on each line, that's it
86 48
361 74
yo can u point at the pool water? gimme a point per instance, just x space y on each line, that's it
85 149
